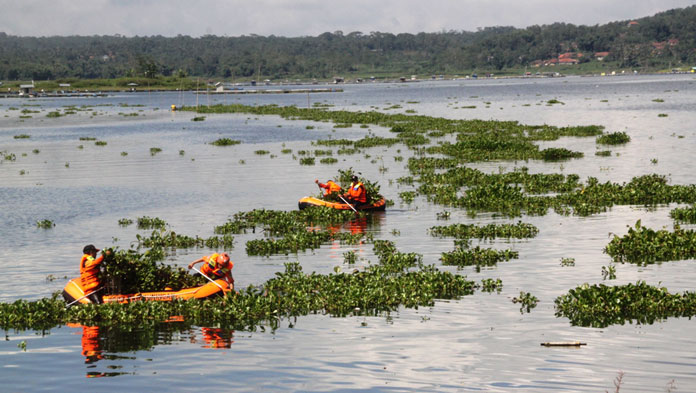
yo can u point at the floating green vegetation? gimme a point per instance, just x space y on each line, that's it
171 239
490 285
261 152
276 222
100 143
53 114
307 161
87 138
658 100
22 172
27 111
45 224
154 150
526 300
600 305
603 153
559 153
124 153
327 160
684 214
36 151
9 156
146 222
182 153
477 256
286 151
444 215
609 272
662 115
124 222
468 107
226 142
407 196
350 257
644 246
513 192
615 138
520 230
22 136
294 243
567 261
554 101
347 151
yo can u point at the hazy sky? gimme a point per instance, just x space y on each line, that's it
293 18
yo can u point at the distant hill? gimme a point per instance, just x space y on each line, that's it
667 39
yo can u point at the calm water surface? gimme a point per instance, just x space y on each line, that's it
478 343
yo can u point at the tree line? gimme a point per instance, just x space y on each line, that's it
658 41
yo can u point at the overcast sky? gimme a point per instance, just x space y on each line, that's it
292 18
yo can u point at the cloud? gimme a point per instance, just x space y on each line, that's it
306 17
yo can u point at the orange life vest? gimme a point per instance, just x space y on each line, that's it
89 271
215 270
330 187
357 192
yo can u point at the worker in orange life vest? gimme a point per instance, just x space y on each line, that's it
356 193
329 188
89 272
216 266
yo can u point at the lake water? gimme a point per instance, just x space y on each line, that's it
480 342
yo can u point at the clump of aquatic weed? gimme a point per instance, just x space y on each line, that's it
644 246
225 142
527 301
600 305
45 224
616 138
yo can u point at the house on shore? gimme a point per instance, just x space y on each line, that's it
26 90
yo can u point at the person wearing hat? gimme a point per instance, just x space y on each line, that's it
89 272
356 194
216 266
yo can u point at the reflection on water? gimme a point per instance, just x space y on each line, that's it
215 338
106 343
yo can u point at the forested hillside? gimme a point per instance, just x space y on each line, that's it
664 40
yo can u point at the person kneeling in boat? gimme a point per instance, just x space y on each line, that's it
89 273
216 266
357 194
331 189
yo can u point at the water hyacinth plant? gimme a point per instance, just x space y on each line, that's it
642 245
600 305
225 142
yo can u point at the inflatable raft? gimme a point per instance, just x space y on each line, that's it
313 201
73 293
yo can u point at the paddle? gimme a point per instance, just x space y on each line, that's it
346 202
77 300
209 279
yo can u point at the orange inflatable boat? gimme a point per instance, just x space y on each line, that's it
313 201
73 293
